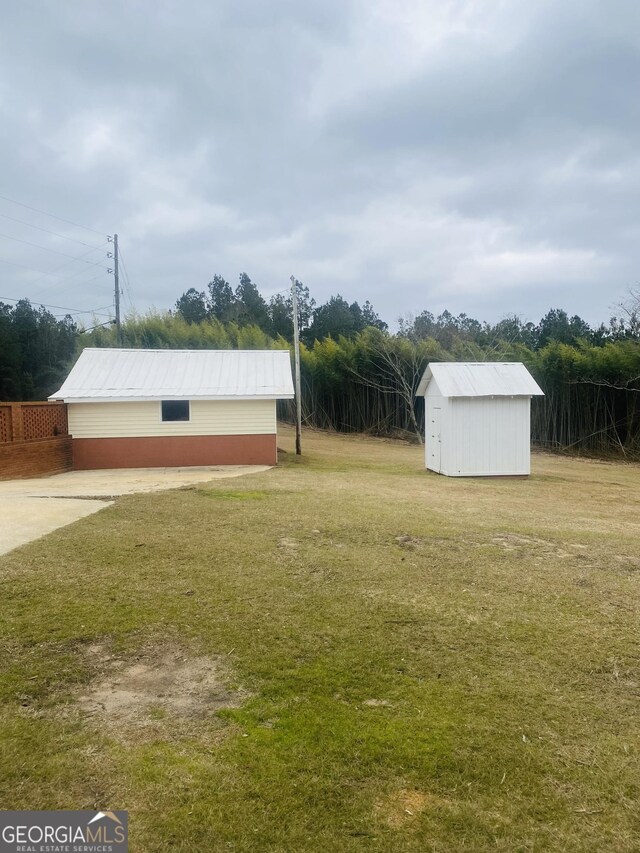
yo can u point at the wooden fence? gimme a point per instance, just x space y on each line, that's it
34 439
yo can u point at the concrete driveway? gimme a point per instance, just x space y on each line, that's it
32 508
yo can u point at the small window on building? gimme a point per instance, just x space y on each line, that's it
175 410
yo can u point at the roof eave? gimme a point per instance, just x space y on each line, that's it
495 394
427 376
159 398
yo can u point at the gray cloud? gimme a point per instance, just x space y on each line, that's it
476 156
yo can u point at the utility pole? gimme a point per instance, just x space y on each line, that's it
117 290
296 353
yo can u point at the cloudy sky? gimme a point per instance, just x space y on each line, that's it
476 155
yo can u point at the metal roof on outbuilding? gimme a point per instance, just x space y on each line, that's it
480 379
107 375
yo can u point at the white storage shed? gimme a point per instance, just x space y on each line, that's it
478 418
141 408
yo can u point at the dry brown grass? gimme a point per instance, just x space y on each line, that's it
433 664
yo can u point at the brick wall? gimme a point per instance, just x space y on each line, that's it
34 439
34 458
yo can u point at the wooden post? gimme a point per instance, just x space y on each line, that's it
17 426
296 353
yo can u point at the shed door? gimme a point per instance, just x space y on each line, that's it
433 440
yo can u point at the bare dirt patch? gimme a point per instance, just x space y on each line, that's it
288 542
406 805
160 682
533 545
509 541
407 541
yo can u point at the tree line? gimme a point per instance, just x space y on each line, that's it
36 349
356 375
245 306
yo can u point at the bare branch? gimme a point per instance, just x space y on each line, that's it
392 378
604 384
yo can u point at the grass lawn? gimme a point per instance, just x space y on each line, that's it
401 661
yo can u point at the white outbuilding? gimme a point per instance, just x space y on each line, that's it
478 418
142 408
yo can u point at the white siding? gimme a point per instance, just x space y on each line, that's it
208 417
488 436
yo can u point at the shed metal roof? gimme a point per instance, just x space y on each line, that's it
480 379
108 375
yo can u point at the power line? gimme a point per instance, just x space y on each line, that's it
57 283
79 257
59 307
124 266
64 266
84 282
99 326
126 289
116 289
46 249
22 266
126 282
46 230
106 270
52 215
53 272
58 273
78 315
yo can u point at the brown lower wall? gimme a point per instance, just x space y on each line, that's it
174 451
34 458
